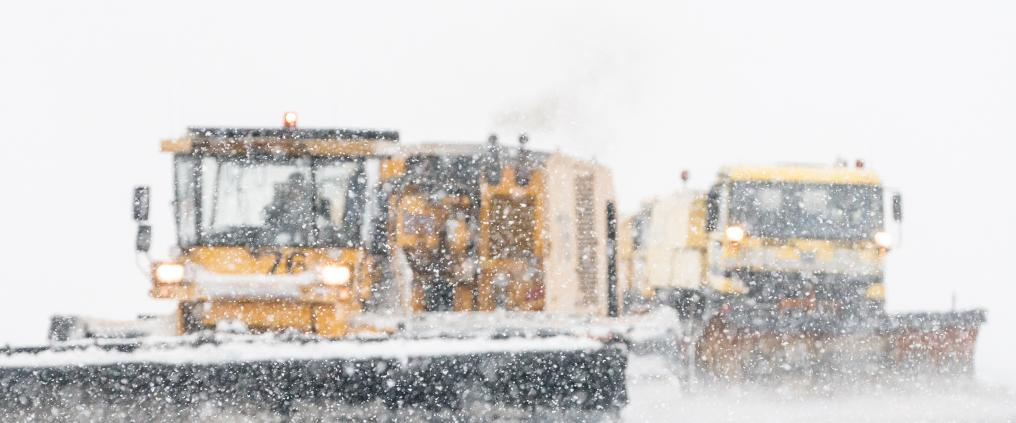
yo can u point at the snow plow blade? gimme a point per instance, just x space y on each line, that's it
280 376
764 345
934 343
761 345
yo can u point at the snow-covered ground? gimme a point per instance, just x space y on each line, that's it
656 396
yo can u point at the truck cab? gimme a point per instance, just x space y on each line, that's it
272 226
799 236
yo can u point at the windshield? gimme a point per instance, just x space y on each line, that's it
801 210
251 202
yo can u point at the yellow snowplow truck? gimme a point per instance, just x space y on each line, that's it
779 271
335 272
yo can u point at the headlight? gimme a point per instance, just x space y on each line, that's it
883 239
335 275
169 272
735 233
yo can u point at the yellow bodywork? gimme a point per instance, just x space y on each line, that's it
811 250
430 230
509 242
511 224
314 306
802 174
424 230
698 237
673 240
274 145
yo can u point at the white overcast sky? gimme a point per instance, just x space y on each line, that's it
924 91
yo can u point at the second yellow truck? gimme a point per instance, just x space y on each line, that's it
780 270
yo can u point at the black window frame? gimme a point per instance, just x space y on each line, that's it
316 162
734 218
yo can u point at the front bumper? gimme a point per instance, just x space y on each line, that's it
203 286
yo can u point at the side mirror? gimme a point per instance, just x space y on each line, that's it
712 211
141 202
897 207
323 208
143 241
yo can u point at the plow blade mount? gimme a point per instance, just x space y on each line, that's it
279 376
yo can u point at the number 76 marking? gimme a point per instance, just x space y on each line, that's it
295 262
